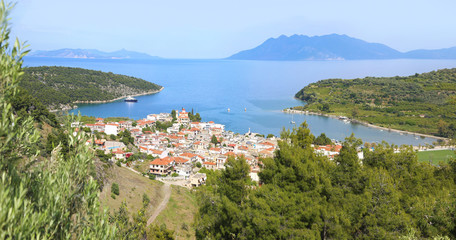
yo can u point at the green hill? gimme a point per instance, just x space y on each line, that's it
423 103
59 86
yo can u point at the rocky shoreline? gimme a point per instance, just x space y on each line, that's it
68 107
293 111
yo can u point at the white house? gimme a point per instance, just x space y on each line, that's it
111 129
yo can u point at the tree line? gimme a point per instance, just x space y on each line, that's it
301 195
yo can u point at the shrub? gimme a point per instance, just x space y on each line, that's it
115 189
146 200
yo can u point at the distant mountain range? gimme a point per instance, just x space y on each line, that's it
91 53
332 47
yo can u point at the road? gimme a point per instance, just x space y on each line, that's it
166 189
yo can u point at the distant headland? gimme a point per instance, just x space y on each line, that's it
91 54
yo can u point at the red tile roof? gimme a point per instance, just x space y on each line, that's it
180 160
162 161
188 155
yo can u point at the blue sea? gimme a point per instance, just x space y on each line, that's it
254 91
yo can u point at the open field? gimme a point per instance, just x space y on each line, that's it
436 156
132 186
179 213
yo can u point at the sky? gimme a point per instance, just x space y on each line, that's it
218 29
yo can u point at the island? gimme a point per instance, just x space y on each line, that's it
421 103
63 87
332 47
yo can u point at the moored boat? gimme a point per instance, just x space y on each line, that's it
130 99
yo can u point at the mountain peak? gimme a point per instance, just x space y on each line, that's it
332 47
325 47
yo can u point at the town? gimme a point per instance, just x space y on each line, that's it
183 147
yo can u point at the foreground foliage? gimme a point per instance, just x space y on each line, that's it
55 195
51 199
305 196
421 103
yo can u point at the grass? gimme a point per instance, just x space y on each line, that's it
132 186
436 156
142 167
179 213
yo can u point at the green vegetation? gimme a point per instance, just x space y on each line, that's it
54 86
162 126
322 140
132 187
423 103
115 188
305 196
436 156
55 197
214 140
179 213
125 137
194 118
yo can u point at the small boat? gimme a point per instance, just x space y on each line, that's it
229 110
245 109
130 99
292 122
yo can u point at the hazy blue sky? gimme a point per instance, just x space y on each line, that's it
214 29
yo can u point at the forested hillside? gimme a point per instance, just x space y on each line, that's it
64 85
423 103
305 196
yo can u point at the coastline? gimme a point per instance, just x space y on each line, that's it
69 107
116 99
293 111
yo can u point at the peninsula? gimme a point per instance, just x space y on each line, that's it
421 103
61 87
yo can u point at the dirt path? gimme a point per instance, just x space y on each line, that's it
167 194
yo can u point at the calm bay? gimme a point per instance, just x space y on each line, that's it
254 91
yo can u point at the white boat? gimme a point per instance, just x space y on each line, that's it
130 99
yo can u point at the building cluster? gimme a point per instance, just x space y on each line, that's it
185 144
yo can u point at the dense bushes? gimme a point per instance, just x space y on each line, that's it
305 196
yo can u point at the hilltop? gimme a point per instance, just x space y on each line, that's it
57 86
92 54
422 103
332 47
